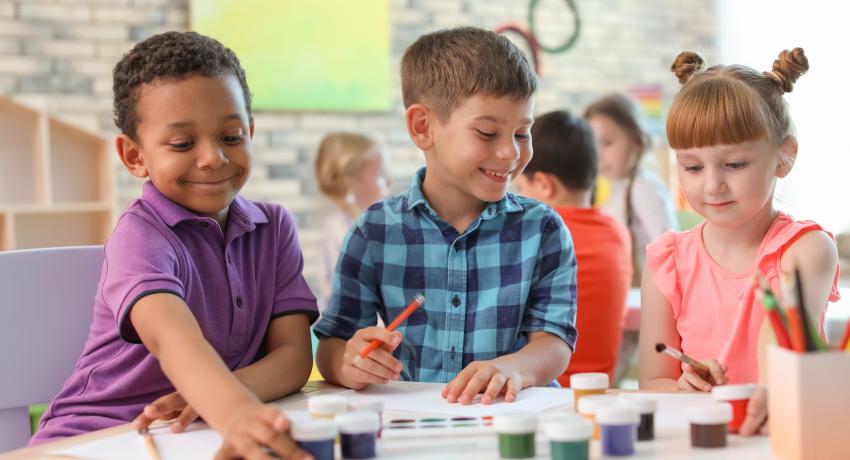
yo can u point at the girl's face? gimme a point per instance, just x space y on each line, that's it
372 184
729 185
618 150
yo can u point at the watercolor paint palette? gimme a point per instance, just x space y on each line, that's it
436 426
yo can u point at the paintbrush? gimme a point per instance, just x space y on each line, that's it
698 366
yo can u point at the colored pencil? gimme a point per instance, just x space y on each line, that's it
769 303
813 340
845 341
149 443
698 366
414 304
792 312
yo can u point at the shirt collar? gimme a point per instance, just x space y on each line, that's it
415 198
242 212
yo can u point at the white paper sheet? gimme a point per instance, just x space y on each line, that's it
425 398
197 442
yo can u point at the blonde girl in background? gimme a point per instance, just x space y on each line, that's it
351 174
733 136
638 197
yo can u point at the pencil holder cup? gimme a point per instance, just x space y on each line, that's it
808 404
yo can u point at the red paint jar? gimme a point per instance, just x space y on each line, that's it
739 397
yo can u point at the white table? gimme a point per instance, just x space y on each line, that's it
672 437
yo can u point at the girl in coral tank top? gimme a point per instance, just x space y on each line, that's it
733 136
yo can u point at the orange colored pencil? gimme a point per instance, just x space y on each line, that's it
414 304
149 443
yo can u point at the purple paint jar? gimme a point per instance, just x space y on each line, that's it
358 432
316 437
618 429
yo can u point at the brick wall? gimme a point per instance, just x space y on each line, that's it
64 51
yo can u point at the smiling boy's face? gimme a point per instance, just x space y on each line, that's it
194 141
484 144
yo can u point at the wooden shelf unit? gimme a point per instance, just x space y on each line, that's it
56 186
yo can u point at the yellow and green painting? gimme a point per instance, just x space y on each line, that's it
324 55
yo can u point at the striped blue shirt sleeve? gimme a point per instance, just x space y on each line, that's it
551 304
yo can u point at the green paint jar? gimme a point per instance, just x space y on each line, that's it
569 436
516 434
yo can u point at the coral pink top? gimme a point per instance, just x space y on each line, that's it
715 310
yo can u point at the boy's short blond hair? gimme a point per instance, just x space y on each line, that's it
443 68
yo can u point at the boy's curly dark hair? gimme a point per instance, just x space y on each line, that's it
167 56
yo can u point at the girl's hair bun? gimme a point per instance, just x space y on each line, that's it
687 63
787 68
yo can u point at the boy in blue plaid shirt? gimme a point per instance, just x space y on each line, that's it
497 270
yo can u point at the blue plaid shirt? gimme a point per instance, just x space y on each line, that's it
512 272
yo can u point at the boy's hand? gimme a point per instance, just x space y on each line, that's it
489 377
169 407
258 432
755 423
694 380
379 366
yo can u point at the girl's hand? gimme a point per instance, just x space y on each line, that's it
258 432
693 380
380 366
489 377
169 407
755 423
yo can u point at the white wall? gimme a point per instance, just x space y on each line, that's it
752 32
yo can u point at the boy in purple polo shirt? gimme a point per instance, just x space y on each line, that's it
201 307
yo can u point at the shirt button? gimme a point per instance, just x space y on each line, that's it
239 301
228 259
453 352
456 301
205 224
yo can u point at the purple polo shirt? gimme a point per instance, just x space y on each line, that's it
235 282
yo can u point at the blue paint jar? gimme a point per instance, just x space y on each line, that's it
369 405
569 436
618 429
316 437
358 432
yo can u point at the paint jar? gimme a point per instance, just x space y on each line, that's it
516 434
316 437
369 405
709 424
326 407
739 397
358 432
645 407
589 405
569 436
618 426
588 383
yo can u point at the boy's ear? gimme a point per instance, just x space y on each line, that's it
131 155
419 120
544 185
787 156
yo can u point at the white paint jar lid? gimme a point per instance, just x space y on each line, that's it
515 422
589 381
567 428
327 405
591 404
733 392
314 430
710 413
617 414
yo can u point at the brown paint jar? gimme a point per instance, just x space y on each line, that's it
709 424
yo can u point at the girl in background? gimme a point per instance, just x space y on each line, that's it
351 173
638 197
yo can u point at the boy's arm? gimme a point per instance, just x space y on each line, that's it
170 332
288 362
347 325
